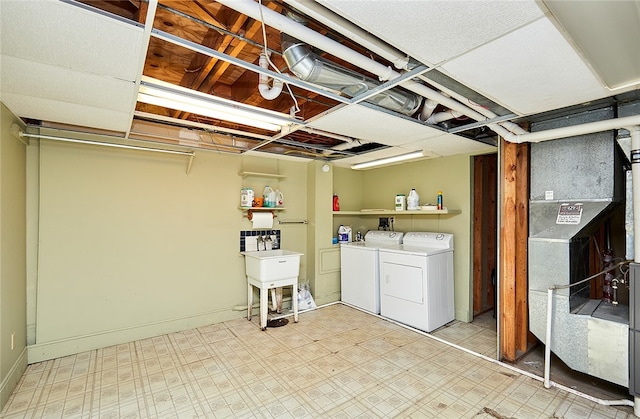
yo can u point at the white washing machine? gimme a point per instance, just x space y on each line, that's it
416 281
359 275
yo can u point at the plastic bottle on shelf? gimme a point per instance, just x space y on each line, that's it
400 202
343 234
269 197
413 200
336 203
440 202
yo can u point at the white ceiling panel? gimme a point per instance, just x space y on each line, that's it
448 145
528 71
59 34
68 113
364 123
435 31
65 85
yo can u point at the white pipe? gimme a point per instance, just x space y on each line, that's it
266 91
547 342
427 109
564 132
351 31
436 118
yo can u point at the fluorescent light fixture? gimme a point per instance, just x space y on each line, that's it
157 92
388 160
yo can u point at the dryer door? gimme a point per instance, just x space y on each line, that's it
403 288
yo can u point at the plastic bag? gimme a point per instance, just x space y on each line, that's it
305 300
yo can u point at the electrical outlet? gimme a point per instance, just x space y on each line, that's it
392 219
13 341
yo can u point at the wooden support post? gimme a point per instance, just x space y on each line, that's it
478 237
508 252
514 233
521 239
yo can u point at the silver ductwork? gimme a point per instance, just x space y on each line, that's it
308 66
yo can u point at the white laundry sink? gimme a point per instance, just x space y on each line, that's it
272 265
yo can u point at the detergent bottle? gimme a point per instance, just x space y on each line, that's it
269 197
279 199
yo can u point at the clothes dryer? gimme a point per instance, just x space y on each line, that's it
416 281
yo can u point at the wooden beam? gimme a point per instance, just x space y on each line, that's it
478 239
508 310
491 199
521 240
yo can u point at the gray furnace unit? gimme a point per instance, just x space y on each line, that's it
576 183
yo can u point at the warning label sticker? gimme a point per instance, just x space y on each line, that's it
569 214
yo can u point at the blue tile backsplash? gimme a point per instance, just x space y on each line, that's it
248 238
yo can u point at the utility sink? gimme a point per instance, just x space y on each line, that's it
272 265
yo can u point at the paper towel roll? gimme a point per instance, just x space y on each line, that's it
262 219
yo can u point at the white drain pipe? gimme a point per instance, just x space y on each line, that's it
266 91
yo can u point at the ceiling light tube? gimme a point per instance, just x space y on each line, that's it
387 160
157 92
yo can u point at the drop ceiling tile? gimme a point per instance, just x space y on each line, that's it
43 81
448 145
435 31
364 123
530 70
63 35
68 113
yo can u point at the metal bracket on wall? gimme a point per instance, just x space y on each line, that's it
16 131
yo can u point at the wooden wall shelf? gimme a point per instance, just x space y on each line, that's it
394 213
260 174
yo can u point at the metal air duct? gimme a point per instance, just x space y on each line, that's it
308 66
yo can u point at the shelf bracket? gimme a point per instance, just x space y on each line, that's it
190 162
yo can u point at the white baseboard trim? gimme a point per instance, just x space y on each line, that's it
9 382
63 347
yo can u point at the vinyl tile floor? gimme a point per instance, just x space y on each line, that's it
336 362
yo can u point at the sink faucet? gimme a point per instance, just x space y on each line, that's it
258 241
